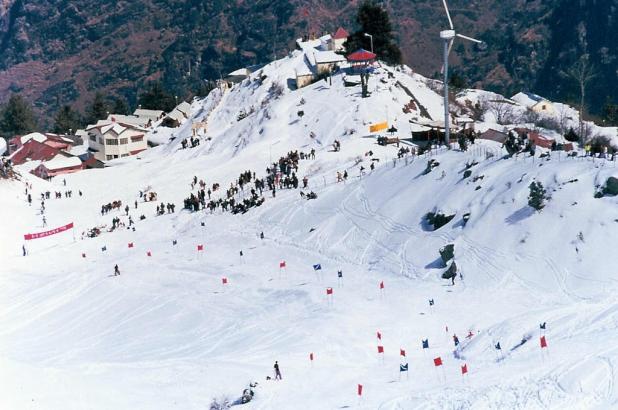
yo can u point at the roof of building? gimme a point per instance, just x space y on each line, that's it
150 114
302 67
129 119
176 115
241 72
341 34
185 108
361 55
527 99
33 150
323 57
37 136
60 162
105 125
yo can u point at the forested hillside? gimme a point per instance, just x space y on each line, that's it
60 52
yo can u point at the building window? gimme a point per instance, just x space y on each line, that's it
93 138
544 107
101 140
137 139
124 141
108 157
124 155
110 141
115 156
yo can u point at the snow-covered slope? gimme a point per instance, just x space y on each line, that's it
167 333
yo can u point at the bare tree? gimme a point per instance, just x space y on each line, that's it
501 109
581 72
563 117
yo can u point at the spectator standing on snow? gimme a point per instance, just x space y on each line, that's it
116 271
277 372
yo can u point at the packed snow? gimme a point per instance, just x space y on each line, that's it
168 333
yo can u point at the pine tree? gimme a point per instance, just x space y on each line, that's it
537 197
571 135
374 20
16 117
67 119
97 110
120 106
157 98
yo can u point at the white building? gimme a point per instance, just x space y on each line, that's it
534 102
325 61
111 139
177 116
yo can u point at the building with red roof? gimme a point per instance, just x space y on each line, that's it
33 150
339 38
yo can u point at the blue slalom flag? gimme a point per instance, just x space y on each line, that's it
542 325
498 346
174 242
317 267
403 367
340 274
426 344
431 302
103 249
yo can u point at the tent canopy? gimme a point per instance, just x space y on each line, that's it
361 55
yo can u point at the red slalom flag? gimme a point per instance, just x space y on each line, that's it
311 356
382 285
464 369
380 349
281 264
130 244
329 291
224 281
543 342
379 335
360 389
437 361
149 253
402 352
200 247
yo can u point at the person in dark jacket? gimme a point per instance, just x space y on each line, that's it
116 271
277 371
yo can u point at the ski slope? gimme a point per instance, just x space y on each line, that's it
167 333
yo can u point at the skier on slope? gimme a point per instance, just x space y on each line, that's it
277 372
116 270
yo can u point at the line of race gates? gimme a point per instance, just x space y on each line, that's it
403 365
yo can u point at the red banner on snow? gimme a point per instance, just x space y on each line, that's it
360 389
382 285
200 247
402 352
379 335
130 244
282 264
437 361
311 356
30 236
329 291
380 349
464 369
543 342
224 281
